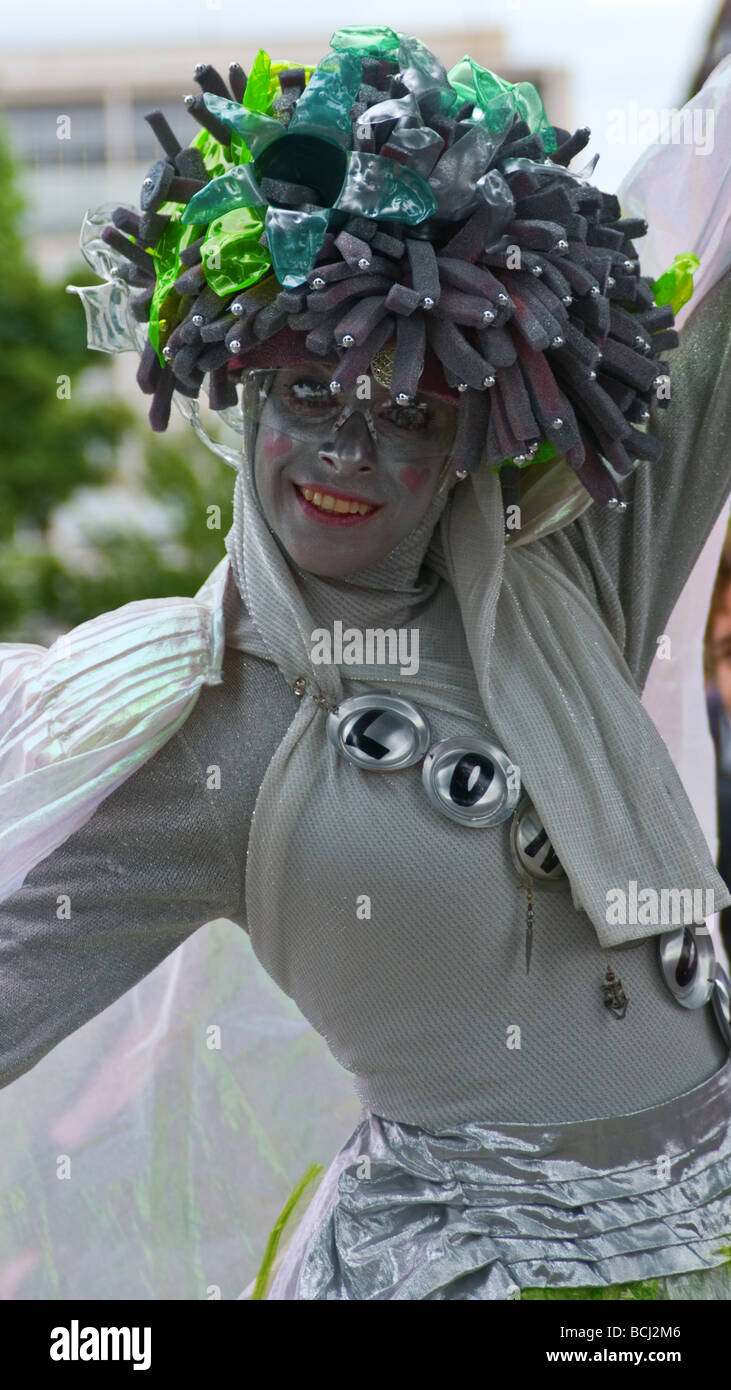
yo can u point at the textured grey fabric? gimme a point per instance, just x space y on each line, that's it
419 1015
161 856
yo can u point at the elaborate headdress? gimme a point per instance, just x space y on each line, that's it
382 214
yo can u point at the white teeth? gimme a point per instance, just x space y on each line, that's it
328 503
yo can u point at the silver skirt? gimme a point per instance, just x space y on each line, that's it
482 1211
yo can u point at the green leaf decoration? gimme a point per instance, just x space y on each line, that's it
675 285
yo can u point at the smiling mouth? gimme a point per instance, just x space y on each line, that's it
332 504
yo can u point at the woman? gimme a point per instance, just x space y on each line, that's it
545 1095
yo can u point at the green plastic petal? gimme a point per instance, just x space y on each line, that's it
376 186
497 100
232 252
675 285
165 300
325 105
236 189
255 129
215 156
367 41
294 239
256 95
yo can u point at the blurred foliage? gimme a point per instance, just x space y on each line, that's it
50 447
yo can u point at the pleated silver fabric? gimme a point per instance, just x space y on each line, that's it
482 1211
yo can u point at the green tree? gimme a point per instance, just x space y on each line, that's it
54 442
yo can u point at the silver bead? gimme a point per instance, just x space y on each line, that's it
558 341
237 308
616 505
402 398
629 266
611 282
335 387
167 353
363 263
198 319
639 342
488 381
460 473
599 356
567 299
594 291
462 386
487 316
318 283
347 340
502 298
592 375
520 458
148 183
189 100
562 245
645 414
557 423
235 345
536 270
427 302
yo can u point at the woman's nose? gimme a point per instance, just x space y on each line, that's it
350 449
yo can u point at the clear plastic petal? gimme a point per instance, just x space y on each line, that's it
109 326
376 186
102 258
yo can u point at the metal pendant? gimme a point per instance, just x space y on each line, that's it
471 780
378 732
532 851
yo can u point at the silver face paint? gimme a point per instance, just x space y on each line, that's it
315 447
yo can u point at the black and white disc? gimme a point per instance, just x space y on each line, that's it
378 732
721 1001
471 780
531 848
688 963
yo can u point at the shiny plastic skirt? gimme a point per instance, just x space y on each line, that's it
485 1211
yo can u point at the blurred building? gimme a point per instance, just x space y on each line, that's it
105 93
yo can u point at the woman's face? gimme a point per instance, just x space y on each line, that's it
342 480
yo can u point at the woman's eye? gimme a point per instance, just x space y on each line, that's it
414 416
308 397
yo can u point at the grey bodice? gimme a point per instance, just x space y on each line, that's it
420 1006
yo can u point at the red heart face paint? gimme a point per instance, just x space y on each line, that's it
275 445
415 477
